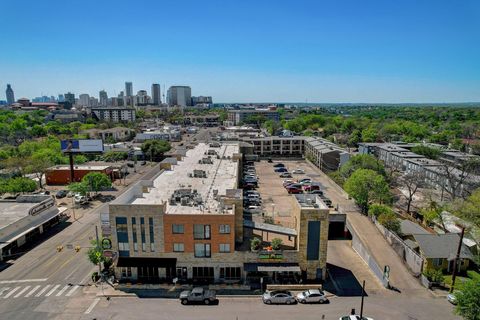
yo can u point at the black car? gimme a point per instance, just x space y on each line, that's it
61 194
269 160
279 165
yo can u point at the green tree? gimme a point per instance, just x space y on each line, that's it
468 300
376 209
366 186
96 181
469 209
362 161
37 165
434 213
19 184
154 149
78 187
429 152
390 221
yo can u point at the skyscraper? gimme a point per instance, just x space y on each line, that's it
10 94
103 98
179 96
84 100
70 97
156 94
128 89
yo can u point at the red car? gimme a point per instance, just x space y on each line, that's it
294 190
311 187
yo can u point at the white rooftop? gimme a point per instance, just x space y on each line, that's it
221 175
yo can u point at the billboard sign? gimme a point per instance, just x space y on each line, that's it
82 145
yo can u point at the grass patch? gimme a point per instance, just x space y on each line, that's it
447 279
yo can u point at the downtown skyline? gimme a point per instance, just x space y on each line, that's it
372 52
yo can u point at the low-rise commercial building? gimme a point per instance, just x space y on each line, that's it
60 175
23 220
187 223
277 146
113 134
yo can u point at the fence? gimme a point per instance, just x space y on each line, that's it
411 258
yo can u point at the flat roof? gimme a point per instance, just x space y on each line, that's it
221 175
80 167
12 211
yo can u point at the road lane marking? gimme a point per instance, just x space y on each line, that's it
23 280
43 290
32 291
72 290
21 292
3 290
11 292
51 291
94 303
59 293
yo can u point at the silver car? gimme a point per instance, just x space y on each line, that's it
278 297
312 296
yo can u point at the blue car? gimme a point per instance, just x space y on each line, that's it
281 170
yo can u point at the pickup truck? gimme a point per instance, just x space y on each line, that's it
198 295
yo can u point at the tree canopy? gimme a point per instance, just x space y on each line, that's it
366 186
154 149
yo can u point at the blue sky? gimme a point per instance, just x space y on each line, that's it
264 51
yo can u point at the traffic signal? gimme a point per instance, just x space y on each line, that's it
77 248
59 248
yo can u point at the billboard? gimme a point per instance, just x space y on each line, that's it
82 146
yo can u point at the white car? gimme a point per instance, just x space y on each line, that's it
312 296
298 171
254 209
354 317
452 298
80 199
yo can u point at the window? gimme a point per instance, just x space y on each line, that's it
437 262
178 247
142 232
224 247
152 236
134 234
203 273
202 250
121 223
178 228
231 273
126 272
201 231
224 228
122 236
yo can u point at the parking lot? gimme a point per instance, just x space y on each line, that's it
278 204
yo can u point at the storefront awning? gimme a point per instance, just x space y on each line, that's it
265 267
279 269
147 262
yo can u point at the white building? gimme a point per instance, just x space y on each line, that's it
114 114
179 96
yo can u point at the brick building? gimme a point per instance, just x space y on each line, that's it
60 175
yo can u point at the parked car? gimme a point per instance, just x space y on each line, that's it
282 169
312 296
278 297
279 165
249 186
247 192
61 194
320 192
130 164
354 317
293 190
305 180
287 182
254 209
452 298
269 160
285 175
298 171
198 295
80 199
311 187
293 185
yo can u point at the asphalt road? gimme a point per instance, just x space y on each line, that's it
43 281
378 307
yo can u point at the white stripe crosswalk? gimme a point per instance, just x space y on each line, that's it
37 291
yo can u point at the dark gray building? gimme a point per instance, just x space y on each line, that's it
10 95
156 94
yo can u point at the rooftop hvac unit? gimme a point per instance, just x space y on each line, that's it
184 201
215 192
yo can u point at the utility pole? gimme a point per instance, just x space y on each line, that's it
98 247
363 295
457 257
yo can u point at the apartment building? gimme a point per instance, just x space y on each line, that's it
238 116
187 223
324 154
277 146
114 114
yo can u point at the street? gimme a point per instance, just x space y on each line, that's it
43 281
379 307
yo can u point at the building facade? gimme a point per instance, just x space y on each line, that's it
114 114
103 98
156 97
239 116
179 96
10 95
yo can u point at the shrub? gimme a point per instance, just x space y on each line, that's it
255 243
276 243
433 275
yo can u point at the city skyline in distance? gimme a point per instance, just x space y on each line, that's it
352 52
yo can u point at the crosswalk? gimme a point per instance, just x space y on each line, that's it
37 291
